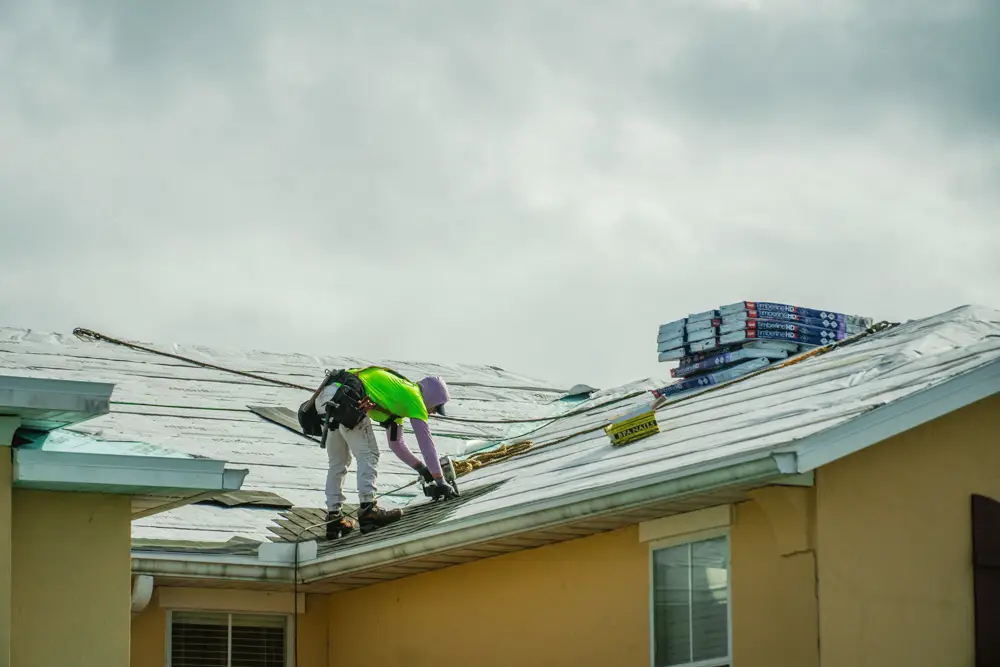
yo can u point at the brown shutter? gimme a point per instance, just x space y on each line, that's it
986 579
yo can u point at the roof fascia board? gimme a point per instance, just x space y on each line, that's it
59 470
543 515
896 417
496 525
84 400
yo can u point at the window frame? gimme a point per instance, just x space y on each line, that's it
289 629
681 540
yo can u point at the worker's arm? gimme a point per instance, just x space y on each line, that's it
427 447
394 434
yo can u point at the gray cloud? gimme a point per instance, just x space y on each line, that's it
531 185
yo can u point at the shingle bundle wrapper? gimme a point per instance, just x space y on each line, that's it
720 345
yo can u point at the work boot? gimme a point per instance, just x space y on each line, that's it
372 517
339 525
442 490
424 472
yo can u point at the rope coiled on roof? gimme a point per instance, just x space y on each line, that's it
476 461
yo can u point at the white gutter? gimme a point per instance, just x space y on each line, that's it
210 566
514 521
45 404
474 530
112 473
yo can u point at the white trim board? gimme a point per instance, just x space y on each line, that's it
237 601
686 524
896 417
106 473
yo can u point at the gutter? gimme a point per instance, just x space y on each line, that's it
47 404
474 530
233 568
514 521
112 473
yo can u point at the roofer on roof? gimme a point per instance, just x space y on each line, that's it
387 398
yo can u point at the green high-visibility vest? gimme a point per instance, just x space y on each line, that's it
393 392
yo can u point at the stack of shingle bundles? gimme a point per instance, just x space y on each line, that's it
695 333
720 345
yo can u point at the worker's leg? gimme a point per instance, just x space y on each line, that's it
339 457
364 446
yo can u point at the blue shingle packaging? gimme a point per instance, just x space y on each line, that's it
723 344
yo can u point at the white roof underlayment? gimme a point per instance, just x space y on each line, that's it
203 412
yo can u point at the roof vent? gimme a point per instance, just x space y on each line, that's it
580 390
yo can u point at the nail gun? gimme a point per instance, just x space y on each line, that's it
431 489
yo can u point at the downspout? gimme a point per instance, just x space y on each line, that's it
142 592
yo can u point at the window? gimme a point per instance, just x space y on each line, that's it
986 578
691 604
208 639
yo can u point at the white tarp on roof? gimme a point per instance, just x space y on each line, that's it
198 411
203 412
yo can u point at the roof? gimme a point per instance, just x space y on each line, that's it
46 456
165 402
769 426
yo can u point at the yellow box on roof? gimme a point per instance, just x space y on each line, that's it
632 427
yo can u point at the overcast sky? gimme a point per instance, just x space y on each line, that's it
534 185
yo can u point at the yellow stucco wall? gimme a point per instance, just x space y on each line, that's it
893 538
72 588
149 634
583 602
773 584
314 626
586 602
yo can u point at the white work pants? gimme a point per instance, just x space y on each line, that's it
340 445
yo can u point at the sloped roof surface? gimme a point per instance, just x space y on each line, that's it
767 411
203 412
760 413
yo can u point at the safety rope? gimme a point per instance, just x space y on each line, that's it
504 452
88 334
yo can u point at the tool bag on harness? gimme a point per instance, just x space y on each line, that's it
343 408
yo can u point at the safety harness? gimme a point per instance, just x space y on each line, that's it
348 406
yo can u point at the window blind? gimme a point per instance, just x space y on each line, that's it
200 639
691 604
